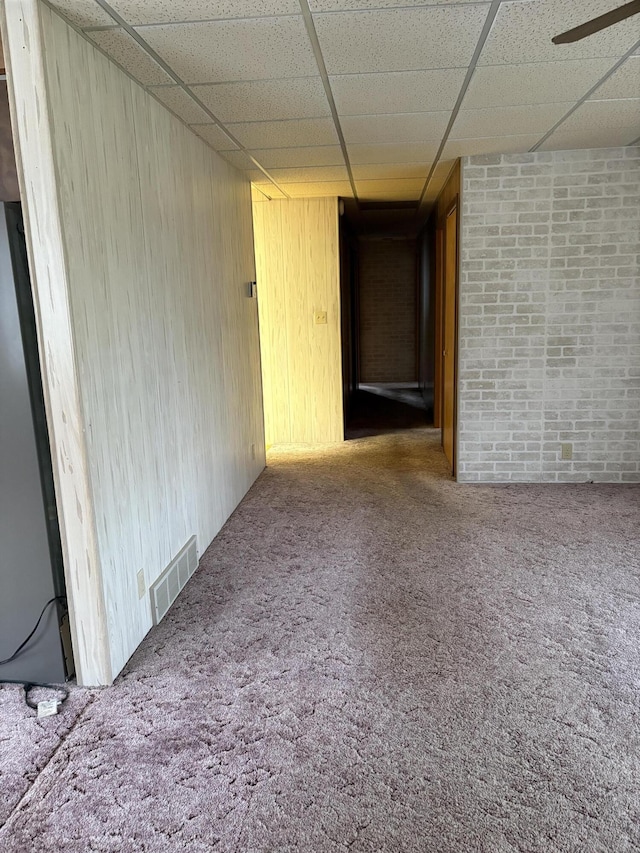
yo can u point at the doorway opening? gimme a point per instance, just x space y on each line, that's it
387 326
399 295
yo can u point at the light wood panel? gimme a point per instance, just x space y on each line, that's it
446 265
44 219
298 268
156 232
449 336
272 301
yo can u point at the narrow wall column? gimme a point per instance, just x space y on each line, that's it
28 91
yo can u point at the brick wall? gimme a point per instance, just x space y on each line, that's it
549 334
388 304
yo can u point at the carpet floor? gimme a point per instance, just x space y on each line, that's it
370 658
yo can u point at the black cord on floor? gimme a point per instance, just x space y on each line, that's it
24 643
29 685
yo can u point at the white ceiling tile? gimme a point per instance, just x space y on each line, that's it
319 189
310 173
400 39
489 145
359 5
177 100
214 136
400 189
623 83
83 13
439 178
265 192
592 138
403 127
392 153
508 121
323 155
128 53
397 92
285 134
522 32
174 11
259 176
391 195
604 115
265 100
240 160
378 171
442 169
226 51
533 83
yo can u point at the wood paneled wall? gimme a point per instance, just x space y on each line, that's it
150 256
298 269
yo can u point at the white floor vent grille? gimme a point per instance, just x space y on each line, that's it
173 580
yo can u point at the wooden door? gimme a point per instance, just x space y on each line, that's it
449 336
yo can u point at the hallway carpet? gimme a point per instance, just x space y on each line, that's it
374 658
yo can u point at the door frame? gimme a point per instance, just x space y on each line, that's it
438 367
455 205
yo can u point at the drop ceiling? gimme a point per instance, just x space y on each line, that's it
374 99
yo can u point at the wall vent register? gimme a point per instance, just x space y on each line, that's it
173 580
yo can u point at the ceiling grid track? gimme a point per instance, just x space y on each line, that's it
464 92
180 82
322 68
586 97
486 29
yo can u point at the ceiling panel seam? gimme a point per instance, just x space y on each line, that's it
408 6
486 29
586 97
322 69
180 82
202 21
278 120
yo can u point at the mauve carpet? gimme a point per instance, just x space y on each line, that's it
370 658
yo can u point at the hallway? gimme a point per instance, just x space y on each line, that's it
371 657
376 410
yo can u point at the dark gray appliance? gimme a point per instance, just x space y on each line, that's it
31 571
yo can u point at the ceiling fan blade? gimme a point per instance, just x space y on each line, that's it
599 23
